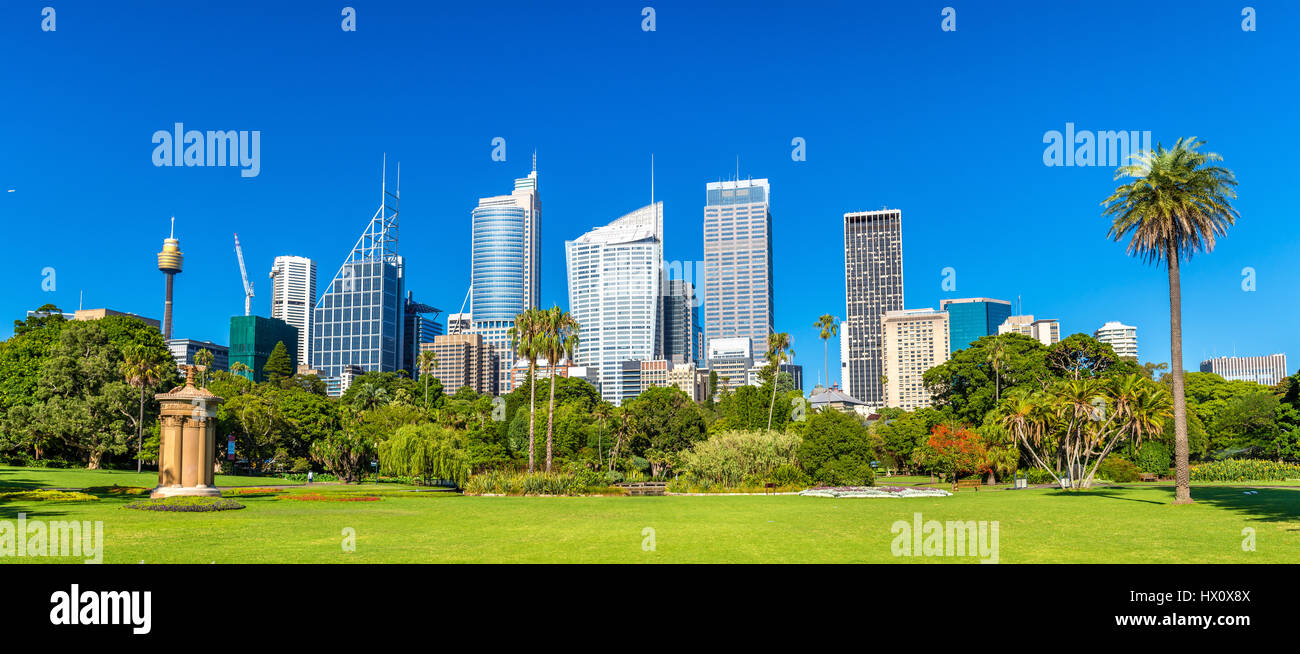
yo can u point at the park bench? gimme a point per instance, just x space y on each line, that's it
769 487
1146 476
967 483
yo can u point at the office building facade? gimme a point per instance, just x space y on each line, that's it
463 360
253 338
970 319
614 276
184 350
357 323
681 327
1268 370
293 297
731 359
915 340
738 261
873 283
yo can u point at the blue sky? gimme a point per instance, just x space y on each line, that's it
947 126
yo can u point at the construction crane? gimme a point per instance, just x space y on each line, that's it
243 272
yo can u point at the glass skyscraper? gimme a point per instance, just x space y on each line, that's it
504 272
614 276
358 321
738 261
970 319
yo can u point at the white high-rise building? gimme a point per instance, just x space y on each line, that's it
1045 330
1122 338
738 261
293 295
915 340
614 276
1268 370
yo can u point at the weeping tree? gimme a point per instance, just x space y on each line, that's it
344 454
427 452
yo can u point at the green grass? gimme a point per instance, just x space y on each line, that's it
1130 524
11 477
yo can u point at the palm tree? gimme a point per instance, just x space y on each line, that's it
242 369
829 330
1177 204
526 340
998 362
427 362
778 352
141 370
602 413
203 359
560 339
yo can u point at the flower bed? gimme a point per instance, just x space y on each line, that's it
251 491
317 497
874 491
185 504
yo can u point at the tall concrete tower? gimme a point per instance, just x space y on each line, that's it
169 262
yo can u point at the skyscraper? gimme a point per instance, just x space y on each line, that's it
358 320
293 296
504 270
915 341
614 276
1122 338
680 322
738 261
170 261
873 284
970 319
1045 330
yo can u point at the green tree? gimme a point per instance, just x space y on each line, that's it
778 352
559 338
142 369
828 329
836 448
278 365
1178 203
428 362
527 340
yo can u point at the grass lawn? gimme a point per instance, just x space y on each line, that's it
11 477
1130 524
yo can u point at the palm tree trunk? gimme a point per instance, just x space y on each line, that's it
772 405
550 421
826 361
532 405
1182 475
139 433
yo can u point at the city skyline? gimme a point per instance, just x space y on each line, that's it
1000 245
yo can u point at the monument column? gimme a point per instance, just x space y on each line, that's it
188 435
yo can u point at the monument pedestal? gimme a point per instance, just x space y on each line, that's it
188 435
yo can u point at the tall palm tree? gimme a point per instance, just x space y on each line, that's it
141 370
998 362
778 352
427 363
830 329
1177 204
203 359
603 412
526 340
560 339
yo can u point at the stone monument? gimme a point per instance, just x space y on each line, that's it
188 435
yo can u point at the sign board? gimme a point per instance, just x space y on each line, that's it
230 447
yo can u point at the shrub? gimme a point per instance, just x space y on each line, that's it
734 458
119 490
788 475
45 495
496 482
1037 476
185 504
1118 469
835 446
1245 470
1153 457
